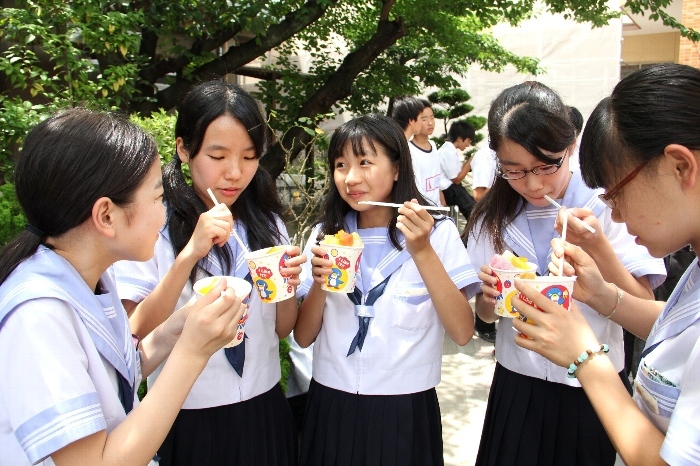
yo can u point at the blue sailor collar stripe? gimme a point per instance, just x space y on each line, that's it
682 308
391 260
48 275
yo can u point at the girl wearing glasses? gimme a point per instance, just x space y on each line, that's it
650 121
535 413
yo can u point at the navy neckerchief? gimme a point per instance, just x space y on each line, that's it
46 274
681 311
517 235
364 312
390 261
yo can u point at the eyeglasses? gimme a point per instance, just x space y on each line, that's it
608 197
541 170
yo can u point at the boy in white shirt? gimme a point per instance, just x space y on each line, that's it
459 137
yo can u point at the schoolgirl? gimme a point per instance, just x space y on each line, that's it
90 185
535 413
236 413
642 145
372 399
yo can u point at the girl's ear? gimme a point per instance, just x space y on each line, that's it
396 172
182 153
684 163
104 217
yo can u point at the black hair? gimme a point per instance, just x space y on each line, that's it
68 162
426 103
648 110
533 116
380 133
405 109
576 119
461 129
257 204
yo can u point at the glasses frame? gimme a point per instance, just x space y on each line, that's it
534 171
608 197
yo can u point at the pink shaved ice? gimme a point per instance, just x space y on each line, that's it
500 263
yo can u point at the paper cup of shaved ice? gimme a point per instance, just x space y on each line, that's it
344 250
506 268
556 288
266 271
242 290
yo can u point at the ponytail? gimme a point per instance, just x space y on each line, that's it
21 247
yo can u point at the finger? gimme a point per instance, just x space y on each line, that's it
488 278
541 301
526 335
408 234
319 251
291 272
526 311
222 303
293 251
210 297
408 224
553 267
411 210
295 261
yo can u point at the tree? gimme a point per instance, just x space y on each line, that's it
141 56
451 105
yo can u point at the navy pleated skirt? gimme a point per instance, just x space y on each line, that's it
530 421
259 432
346 429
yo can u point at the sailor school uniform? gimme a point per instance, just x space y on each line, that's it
218 383
402 352
667 386
530 235
65 352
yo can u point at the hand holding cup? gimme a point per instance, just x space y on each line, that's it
212 321
589 281
558 334
488 284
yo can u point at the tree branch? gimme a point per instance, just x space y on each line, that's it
337 87
243 54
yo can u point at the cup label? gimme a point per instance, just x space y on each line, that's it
344 268
264 282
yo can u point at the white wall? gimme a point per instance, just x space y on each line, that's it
581 63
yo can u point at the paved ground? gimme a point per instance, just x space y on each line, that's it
466 378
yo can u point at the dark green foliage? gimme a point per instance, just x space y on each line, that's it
285 363
12 218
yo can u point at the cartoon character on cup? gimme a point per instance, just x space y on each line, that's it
334 279
558 294
265 293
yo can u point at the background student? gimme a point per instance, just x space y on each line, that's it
459 138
